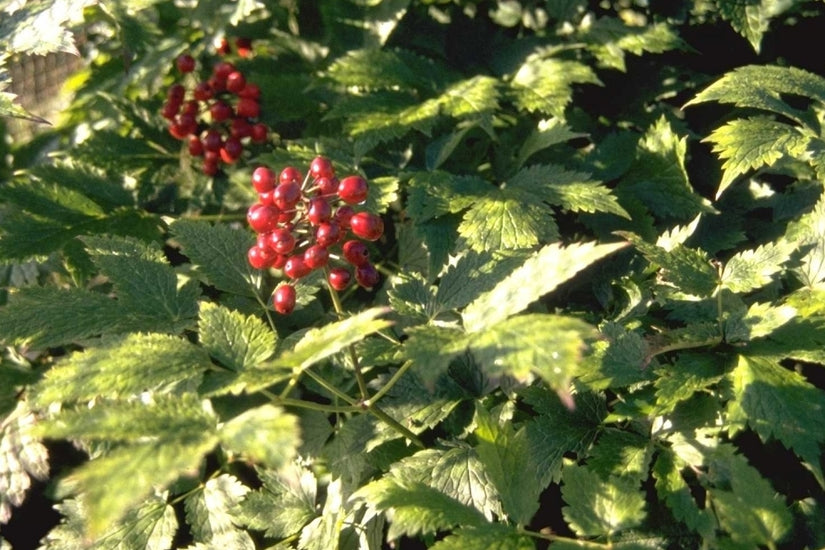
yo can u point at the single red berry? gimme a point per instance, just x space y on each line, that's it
244 46
260 257
177 130
212 140
216 84
339 278
176 93
321 167
210 167
295 267
262 218
170 109
191 107
280 261
240 128
343 215
327 186
249 91
185 63
188 123
248 107
367 276
282 241
212 156
263 179
203 91
287 195
259 131
353 189
235 81
220 111
328 233
267 198
316 256
283 299
367 225
319 211
222 69
195 146
231 150
290 174
356 252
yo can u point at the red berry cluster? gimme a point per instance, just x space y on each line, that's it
304 224
216 118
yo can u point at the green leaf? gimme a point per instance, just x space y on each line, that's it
283 505
22 457
752 269
545 85
237 341
609 38
209 513
416 507
431 348
746 144
384 68
597 507
146 286
219 255
538 275
39 28
751 18
168 438
548 132
412 298
621 454
485 537
758 321
672 488
10 108
691 373
473 274
658 176
618 360
433 194
264 434
124 366
781 404
547 346
504 453
808 232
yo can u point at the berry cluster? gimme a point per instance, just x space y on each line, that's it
309 223
217 117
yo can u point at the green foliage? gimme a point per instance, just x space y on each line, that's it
600 321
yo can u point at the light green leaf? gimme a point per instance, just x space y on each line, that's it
412 298
672 488
779 403
621 454
283 505
124 366
808 232
751 19
474 99
416 507
760 320
236 340
40 28
752 269
473 274
746 144
597 507
244 9
538 275
548 132
431 348
263 434
10 108
547 346
618 359
22 457
210 513
545 85
486 537
691 373
385 68
219 255
609 38
433 194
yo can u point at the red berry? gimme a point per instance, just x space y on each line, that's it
283 299
321 167
222 70
327 186
367 276
220 111
222 46
343 215
235 81
328 233
339 278
216 84
212 140
203 91
282 241
356 252
289 174
367 225
176 93
259 132
177 130
244 46
248 107
240 128
195 146
287 195
267 198
280 261
185 63
188 123
295 267
170 109
231 150
319 211
250 91
210 167
353 189
191 107
316 256
262 218
263 179
260 257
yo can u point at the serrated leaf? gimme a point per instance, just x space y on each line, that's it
621 454
538 275
431 348
502 451
752 269
22 457
264 434
808 232
781 404
485 537
545 85
474 273
597 507
672 488
384 68
690 373
284 504
412 298
146 286
39 28
433 194
169 438
124 366
658 176
548 132
209 513
751 19
524 346
746 144
416 507
609 38
9 107
238 341
758 321
219 254
618 360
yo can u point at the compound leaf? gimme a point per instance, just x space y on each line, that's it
597 507
209 513
264 434
22 457
283 505
752 269
238 341
545 85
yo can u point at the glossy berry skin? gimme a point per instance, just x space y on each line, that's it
222 70
367 225
286 195
339 278
290 174
231 150
212 140
328 233
220 111
327 186
295 267
260 257
185 63
283 299
343 216
235 82
318 211
262 218
263 179
366 275
316 256
353 189
195 146
282 240
203 92
248 107
259 132
356 252
321 167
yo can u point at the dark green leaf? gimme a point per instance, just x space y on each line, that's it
597 507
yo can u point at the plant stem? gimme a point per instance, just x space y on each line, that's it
356 367
391 382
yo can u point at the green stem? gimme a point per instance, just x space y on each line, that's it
391 382
300 403
356 367
394 424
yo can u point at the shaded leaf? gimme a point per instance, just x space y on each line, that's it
597 507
